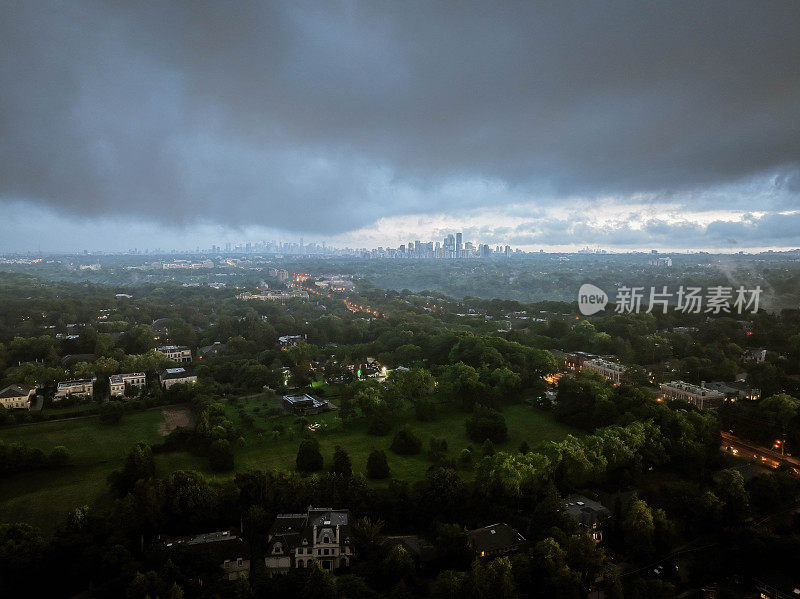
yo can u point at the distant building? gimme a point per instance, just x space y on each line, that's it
229 550
576 360
610 370
213 350
590 514
274 296
494 540
304 404
76 388
735 390
175 376
698 395
297 540
660 261
176 353
17 397
753 354
119 382
288 341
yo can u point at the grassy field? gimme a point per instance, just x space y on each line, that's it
43 498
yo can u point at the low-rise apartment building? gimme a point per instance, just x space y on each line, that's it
76 388
119 382
610 370
176 376
176 353
699 396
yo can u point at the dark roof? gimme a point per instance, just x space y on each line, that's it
304 400
16 391
494 538
223 544
215 347
292 529
174 373
586 511
70 359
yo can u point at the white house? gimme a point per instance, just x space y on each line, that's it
119 382
17 397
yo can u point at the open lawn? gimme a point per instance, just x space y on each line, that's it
96 449
43 498
524 424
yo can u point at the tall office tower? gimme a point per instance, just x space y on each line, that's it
417 246
228 246
459 240
451 242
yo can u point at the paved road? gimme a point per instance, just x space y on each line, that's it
750 451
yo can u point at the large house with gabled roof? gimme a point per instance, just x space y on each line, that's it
320 535
17 397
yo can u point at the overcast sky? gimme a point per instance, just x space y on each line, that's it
627 125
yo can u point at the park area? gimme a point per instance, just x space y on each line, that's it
96 449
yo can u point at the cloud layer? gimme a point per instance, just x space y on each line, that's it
324 118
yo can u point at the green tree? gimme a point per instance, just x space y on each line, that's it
220 456
309 457
377 465
405 442
341 462
638 528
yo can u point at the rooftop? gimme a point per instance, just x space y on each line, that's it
690 388
494 538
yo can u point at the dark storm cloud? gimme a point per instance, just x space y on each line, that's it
322 117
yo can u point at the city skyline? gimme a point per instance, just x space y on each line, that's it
635 125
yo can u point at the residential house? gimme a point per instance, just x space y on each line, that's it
304 404
119 382
297 540
494 540
754 354
17 397
735 390
175 376
698 395
211 351
176 353
590 514
229 550
288 341
76 388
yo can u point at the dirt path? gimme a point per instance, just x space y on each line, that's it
174 417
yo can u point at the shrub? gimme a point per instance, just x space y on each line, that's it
377 465
111 412
425 410
309 458
406 442
220 456
58 457
486 423
437 449
341 462
379 424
